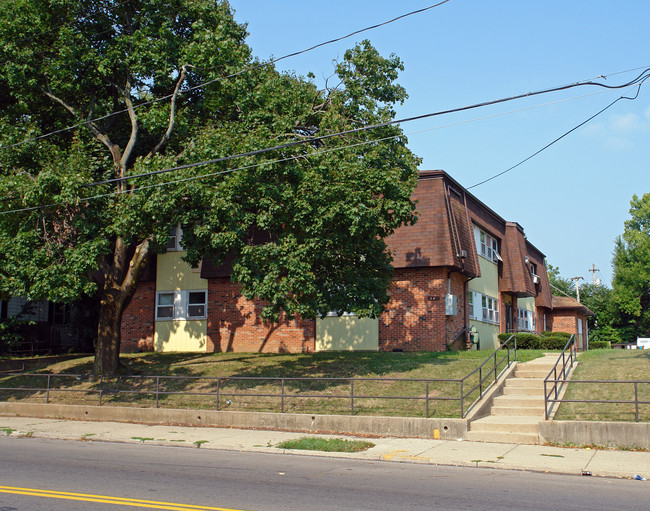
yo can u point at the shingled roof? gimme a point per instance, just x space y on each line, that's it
566 302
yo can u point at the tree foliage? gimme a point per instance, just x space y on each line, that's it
151 85
631 282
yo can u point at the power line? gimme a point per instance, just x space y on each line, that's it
207 162
639 80
557 139
245 70
316 153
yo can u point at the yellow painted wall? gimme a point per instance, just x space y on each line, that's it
487 333
173 274
347 333
181 335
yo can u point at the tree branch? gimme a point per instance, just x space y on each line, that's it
102 137
172 113
134 129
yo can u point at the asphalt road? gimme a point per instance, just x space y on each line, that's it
93 475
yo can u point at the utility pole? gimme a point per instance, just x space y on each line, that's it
593 271
577 287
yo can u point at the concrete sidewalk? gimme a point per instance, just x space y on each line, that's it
537 458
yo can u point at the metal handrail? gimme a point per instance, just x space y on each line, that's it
481 379
571 346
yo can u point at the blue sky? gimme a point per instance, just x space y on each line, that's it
573 198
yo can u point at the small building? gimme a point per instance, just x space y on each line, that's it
460 269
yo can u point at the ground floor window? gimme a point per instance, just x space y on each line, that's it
183 304
526 320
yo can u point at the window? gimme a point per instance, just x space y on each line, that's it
176 235
196 304
486 245
525 320
181 305
488 311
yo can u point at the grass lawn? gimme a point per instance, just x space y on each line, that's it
194 384
326 445
608 365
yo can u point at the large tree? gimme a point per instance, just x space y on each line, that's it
148 86
631 263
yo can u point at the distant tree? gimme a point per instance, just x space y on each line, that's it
559 285
631 263
97 65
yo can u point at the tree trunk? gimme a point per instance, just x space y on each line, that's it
120 282
107 351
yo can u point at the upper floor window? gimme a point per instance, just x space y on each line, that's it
486 245
483 307
175 237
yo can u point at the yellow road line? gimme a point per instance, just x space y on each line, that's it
121 501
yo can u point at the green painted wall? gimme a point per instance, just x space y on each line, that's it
527 303
347 333
488 282
487 334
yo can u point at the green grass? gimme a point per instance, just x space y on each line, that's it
326 445
195 386
608 364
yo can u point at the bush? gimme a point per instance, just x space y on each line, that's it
599 345
527 341
552 342
563 335
11 332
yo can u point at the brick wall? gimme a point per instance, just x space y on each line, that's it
234 324
562 321
415 318
138 320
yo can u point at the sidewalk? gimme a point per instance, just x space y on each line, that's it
537 458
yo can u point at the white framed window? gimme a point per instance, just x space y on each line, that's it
486 245
483 307
184 304
525 319
175 238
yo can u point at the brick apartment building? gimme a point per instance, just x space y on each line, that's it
462 275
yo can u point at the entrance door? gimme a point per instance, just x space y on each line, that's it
509 318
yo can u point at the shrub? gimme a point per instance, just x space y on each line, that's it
527 341
552 343
563 335
11 332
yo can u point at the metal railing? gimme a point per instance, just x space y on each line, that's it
567 364
636 401
491 372
220 388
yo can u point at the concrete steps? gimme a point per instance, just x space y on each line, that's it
515 414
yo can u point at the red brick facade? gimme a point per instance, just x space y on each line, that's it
234 324
435 257
138 320
415 318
